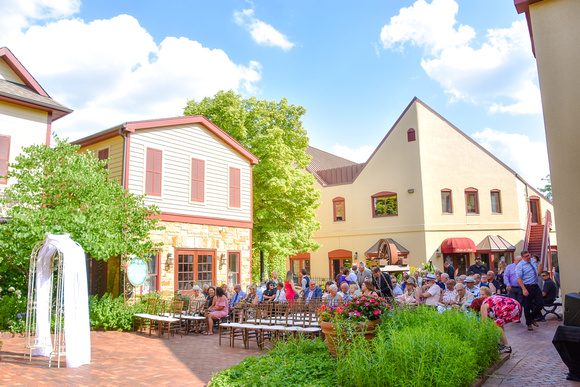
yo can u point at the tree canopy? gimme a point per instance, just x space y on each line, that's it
547 190
61 190
284 195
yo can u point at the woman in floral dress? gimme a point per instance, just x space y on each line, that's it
502 309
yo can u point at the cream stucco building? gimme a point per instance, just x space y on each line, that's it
555 33
432 191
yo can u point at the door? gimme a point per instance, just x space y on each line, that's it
194 267
460 262
535 210
336 264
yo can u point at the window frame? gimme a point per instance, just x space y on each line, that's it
475 192
108 149
386 194
411 135
335 201
6 159
491 193
191 179
239 272
156 257
450 192
234 192
147 171
195 271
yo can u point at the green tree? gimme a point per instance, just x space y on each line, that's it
547 190
61 190
284 195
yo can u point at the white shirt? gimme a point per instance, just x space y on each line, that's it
280 295
352 276
397 290
435 292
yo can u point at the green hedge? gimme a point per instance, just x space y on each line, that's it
412 348
108 313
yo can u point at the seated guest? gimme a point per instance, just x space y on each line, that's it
205 290
354 290
368 289
218 311
210 300
280 294
313 291
397 291
333 294
345 291
462 278
449 293
444 278
494 283
227 293
431 292
252 300
404 281
237 296
409 296
477 281
345 277
270 292
462 297
197 295
470 283
549 291
484 283
326 288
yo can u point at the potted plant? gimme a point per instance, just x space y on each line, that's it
359 316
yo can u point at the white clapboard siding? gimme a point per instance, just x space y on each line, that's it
179 144
7 73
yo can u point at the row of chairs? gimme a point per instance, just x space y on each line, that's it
160 315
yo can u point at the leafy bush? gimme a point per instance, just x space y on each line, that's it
108 313
292 363
12 304
419 348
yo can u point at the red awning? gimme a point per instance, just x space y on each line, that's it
457 245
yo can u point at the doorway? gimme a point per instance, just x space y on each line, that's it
535 210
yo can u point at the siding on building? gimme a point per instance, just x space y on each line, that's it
7 73
115 146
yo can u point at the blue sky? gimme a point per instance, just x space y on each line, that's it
354 66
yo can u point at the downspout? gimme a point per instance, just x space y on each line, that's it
125 150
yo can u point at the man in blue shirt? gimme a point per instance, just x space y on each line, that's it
527 276
238 295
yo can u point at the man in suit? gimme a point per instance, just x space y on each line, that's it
363 274
313 291
382 282
238 295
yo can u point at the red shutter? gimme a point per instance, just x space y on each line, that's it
197 180
235 194
153 171
103 155
4 157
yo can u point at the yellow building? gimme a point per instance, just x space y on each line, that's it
201 180
433 193
555 33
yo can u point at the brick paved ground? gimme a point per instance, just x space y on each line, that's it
534 361
120 358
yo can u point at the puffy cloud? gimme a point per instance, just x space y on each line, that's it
261 32
113 71
359 155
528 158
500 73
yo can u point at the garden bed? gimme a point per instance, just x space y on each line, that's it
412 348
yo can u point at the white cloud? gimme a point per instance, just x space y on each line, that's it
500 73
113 71
528 158
359 155
261 32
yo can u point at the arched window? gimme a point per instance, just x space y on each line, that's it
385 204
411 135
471 201
495 201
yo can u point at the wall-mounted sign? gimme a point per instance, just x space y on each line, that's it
137 271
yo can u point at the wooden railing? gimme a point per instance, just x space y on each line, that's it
545 258
528 231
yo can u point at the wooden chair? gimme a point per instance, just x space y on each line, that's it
141 320
171 321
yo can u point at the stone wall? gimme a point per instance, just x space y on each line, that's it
199 236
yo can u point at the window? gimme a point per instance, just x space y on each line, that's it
152 282
385 204
235 187
411 135
4 157
103 154
233 268
339 214
446 206
495 201
471 201
153 172
197 180
194 267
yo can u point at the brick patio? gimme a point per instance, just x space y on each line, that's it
137 359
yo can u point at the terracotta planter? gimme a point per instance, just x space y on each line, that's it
331 335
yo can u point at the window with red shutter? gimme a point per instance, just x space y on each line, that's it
4 157
153 171
235 188
197 180
103 154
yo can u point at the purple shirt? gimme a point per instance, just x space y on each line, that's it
509 275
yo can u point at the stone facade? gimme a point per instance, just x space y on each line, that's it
200 236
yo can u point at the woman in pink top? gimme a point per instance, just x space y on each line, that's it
217 311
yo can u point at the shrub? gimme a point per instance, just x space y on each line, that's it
304 362
108 313
12 304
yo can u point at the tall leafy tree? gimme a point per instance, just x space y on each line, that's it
61 190
547 190
284 195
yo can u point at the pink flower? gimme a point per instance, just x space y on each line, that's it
366 304
377 312
357 302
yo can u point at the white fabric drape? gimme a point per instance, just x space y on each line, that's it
76 300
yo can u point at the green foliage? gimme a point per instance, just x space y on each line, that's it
284 195
108 313
419 348
291 363
547 190
60 190
386 205
11 306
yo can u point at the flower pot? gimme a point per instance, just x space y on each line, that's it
328 329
